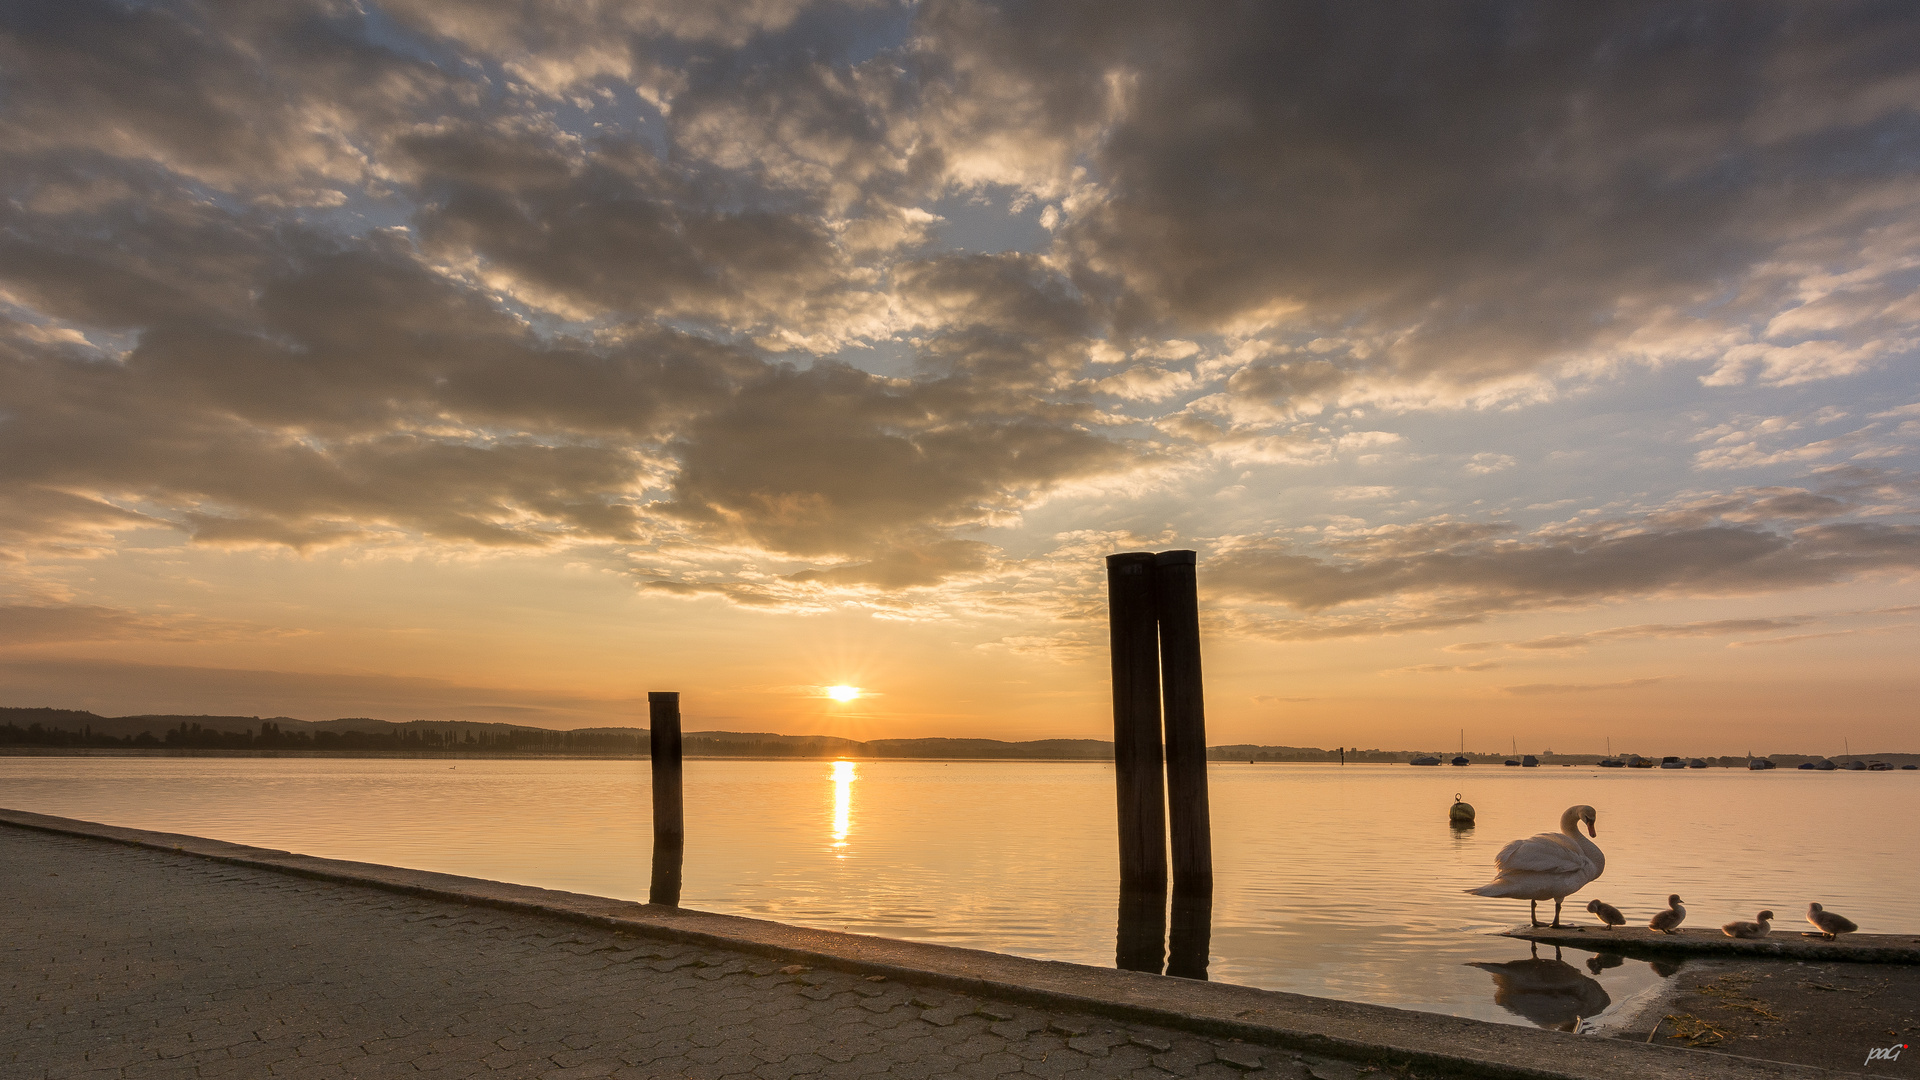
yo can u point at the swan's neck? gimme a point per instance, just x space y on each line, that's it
1570 822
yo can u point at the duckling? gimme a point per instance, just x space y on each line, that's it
1829 924
1758 929
1610 916
1666 922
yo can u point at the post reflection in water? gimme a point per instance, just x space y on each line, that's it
1144 943
843 776
1550 993
665 885
1143 930
1191 936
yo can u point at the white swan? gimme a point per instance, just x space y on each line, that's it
1548 866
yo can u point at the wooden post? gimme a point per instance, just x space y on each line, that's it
669 818
1137 760
1178 607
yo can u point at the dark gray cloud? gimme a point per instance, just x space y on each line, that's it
1476 569
834 461
1467 191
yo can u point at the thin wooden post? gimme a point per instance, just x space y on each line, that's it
669 818
1178 607
1137 759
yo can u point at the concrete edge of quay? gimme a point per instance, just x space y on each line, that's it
1323 1026
1786 943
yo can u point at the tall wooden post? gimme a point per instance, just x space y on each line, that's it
1137 760
669 818
1178 607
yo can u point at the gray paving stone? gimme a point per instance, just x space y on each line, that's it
119 962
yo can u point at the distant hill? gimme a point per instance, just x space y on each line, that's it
75 729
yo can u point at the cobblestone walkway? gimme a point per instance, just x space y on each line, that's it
122 962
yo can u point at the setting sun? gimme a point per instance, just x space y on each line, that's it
843 693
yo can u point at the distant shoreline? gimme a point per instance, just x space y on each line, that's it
64 731
1788 760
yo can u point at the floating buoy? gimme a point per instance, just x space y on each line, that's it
1460 814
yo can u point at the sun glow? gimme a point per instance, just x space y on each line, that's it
843 693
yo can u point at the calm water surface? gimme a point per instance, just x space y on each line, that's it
1330 880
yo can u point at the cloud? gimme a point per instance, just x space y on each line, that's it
1795 639
48 624
112 687
1535 689
1442 225
834 461
1747 542
538 275
1712 628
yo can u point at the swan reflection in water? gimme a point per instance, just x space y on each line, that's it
1550 993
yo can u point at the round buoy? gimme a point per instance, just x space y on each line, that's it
1460 815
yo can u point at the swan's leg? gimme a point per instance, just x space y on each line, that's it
1534 915
1556 911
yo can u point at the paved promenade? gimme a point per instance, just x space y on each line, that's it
188 957
125 963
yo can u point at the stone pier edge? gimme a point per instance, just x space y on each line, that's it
1323 1026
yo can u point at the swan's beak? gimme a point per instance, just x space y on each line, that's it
1591 831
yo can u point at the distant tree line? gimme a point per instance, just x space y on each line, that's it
270 736
41 735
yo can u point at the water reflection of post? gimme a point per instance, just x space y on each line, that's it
669 818
1191 938
1143 930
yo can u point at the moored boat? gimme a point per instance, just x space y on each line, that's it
1425 759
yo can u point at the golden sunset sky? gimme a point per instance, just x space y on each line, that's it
1544 371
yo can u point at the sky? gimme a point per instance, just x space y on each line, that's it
1526 376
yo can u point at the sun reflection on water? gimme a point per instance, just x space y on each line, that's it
842 802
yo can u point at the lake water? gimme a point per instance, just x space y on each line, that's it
1339 881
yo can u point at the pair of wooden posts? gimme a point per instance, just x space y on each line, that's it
1153 612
